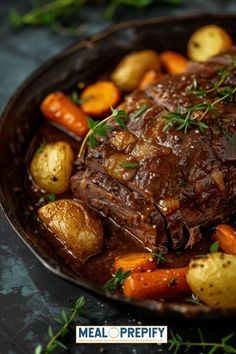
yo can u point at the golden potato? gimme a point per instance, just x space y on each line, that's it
51 169
213 279
74 225
208 41
129 72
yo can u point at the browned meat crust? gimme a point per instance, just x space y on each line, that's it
183 180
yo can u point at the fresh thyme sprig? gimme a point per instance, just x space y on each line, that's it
101 128
159 257
184 119
177 343
120 116
223 75
65 322
45 14
118 278
51 13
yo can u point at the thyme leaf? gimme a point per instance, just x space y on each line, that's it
159 257
65 322
101 128
215 247
118 278
140 111
228 137
78 100
178 344
194 300
129 164
120 115
184 120
46 197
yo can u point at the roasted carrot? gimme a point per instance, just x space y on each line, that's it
173 63
226 236
150 77
98 98
60 109
161 284
135 262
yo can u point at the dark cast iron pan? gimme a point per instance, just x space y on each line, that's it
86 61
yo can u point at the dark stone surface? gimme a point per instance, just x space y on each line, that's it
30 296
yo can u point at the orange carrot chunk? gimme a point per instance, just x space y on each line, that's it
135 262
98 98
60 109
161 284
226 236
173 63
151 77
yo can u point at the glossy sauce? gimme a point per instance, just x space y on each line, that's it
98 268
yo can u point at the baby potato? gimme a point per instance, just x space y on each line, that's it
51 169
213 279
74 225
208 41
130 70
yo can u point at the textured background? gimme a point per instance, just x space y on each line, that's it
30 296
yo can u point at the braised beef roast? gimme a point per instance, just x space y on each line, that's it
163 185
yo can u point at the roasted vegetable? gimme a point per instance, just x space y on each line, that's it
135 262
160 284
129 72
173 63
61 110
75 226
51 168
213 279
98 98
150 77
226 236
208 41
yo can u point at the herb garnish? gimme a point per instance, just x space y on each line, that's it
78 100
119 278
41 147
228 137
46 197
160 258
140 111
177 343
52 197
97 129
129 164
184 119
64 321
120 115
194 300
101 128
60 10
223 75
215 247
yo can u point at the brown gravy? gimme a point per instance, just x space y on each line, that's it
98 268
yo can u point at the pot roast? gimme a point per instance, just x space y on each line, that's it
161 183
